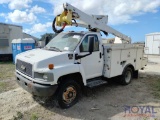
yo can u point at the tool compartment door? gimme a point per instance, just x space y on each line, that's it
139 58
116 68
112 65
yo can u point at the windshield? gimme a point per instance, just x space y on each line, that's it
64 42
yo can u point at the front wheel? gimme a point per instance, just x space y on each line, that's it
69 93
126 76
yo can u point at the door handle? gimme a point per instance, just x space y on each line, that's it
100 55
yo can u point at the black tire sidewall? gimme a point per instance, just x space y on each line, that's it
62 87
123 80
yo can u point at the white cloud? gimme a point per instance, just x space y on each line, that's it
16 4
19 4
119 11
151 7
2 15
39 28
27 31
37 9
18 16
4 1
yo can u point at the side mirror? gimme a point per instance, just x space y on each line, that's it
91 43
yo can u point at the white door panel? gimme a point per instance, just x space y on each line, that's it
149 43
92 65
155 49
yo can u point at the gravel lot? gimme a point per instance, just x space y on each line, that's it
102 103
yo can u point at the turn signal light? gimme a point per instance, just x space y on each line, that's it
51 66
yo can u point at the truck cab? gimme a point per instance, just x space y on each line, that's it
68 55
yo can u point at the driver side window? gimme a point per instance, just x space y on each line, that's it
84 47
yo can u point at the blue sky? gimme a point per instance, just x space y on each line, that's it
134 18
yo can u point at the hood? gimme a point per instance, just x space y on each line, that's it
41 57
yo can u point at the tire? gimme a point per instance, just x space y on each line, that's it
68 94
126 76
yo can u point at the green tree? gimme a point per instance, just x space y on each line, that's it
47 36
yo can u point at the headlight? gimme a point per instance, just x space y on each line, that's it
44 76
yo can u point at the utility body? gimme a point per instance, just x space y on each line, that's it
74 60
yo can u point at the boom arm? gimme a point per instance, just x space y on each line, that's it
94 22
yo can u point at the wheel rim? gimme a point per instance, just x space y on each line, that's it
69 94
128 76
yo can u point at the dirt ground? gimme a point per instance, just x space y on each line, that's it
138 101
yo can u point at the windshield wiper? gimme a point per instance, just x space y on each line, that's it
55 49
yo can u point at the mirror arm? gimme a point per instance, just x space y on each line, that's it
81 56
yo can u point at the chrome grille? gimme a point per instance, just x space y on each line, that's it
24 67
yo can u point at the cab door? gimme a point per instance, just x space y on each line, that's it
93 63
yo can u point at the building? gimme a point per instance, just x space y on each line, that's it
25 35
115 40
152 43
8 32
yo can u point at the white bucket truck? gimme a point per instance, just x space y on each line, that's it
74 60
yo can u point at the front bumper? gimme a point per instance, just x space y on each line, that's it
36 88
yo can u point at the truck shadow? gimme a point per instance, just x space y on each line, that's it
107 101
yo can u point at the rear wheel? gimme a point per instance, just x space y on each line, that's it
68 94
126 76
